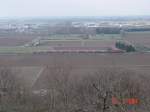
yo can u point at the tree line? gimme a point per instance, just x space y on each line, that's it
126 47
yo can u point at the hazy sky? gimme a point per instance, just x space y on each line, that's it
23 8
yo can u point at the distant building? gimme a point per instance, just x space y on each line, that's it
77 24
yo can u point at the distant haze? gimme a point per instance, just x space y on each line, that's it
50 8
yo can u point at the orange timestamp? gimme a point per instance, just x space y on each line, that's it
128 101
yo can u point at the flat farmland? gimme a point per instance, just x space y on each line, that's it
22 49
15 41
85 43
54 44
77 60
105 40
81 63
80 36
31 44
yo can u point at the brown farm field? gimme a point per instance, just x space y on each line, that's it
15 41
85 43
30 45
139 38
137 61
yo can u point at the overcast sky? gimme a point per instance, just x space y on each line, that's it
25 8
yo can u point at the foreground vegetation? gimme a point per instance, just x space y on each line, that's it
70 93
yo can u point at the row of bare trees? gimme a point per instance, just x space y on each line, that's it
68 92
